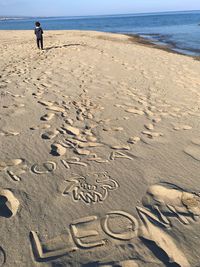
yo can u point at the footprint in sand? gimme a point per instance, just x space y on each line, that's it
149 126
134 140
134 111
15 96
47 117
20 105
2 256
38 93
69 121
9 163
156 120
50 134
56 109
14 168
182 127
9 203
8 133
117 129
46 103
193 150
72 130
152 134
120 147
41 127
58 150
119 155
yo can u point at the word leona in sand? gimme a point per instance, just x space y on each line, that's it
162 203
81 189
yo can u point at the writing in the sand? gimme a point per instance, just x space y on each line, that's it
118 226
87 233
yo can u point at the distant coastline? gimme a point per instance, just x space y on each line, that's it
13 18
10 18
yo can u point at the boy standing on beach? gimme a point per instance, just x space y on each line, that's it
39 33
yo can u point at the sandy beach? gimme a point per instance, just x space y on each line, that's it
99 152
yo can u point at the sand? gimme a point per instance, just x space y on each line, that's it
100 152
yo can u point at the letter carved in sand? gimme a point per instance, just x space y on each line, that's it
79 234
130 230
46 167
81 189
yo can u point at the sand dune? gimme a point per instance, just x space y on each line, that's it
100 151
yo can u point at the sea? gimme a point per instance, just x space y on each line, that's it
180 31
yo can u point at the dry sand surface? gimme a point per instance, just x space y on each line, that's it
99 152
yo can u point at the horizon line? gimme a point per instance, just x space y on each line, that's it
114 14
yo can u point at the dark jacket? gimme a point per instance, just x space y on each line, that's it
38 32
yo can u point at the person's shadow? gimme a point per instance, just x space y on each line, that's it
61 46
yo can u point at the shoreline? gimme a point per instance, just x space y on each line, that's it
136 38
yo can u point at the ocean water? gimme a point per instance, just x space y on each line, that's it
178 30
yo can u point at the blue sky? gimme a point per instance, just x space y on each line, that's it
91 7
